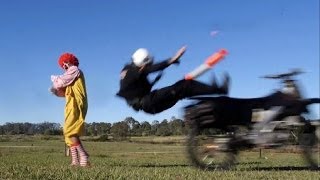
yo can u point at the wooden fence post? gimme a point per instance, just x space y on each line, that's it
66 150
260 153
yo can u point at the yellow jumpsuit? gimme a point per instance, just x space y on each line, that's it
75 109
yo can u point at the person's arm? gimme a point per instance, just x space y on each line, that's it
164 64
156 67
179 53
66 79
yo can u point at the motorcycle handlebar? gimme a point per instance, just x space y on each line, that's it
285 76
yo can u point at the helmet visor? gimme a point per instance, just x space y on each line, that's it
148 60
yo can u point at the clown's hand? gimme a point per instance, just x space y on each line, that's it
53 78
52 90
57 92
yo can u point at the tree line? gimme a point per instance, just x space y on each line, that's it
126 128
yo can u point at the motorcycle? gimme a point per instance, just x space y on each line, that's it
220 127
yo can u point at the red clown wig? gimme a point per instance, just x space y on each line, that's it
69 59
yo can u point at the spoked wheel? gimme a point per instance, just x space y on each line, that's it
209 149
309 142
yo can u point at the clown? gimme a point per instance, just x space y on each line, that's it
71 85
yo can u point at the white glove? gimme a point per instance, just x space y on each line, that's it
52 90
53 78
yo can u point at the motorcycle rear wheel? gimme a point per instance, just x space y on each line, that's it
309 144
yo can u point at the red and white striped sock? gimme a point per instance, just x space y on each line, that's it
74 155
83 155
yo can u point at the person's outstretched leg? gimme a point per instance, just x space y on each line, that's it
189 88
164 98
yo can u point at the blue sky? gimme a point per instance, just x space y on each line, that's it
262 37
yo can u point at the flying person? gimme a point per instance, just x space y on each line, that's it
137 90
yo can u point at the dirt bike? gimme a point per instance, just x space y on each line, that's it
222 126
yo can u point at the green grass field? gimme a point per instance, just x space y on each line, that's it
37 158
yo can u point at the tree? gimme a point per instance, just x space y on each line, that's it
120 130
31 129
103 128
154 127
28 128
163 129
145 128
134 126
89 130
177 127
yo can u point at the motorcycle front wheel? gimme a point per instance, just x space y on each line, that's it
209 148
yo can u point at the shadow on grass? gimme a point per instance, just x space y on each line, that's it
248 163
233 168
155 165
180 165
162 165
282 168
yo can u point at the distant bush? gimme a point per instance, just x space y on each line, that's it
4 139
103 137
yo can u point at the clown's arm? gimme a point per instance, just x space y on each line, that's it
62 81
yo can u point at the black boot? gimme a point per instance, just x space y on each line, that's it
214 84
224 88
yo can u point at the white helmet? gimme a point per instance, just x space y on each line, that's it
141 57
